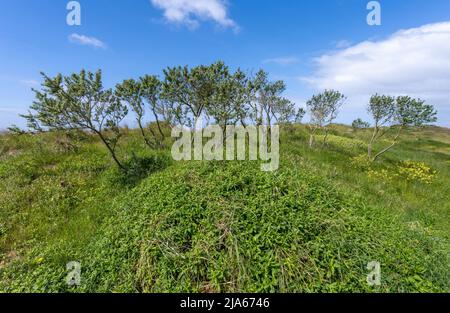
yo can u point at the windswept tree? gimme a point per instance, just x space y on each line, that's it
151 91
283 110
14 129
383 111
243 92
396 114
129 91
79 102
140 95
268 104
191 90
228 102
301 112
323 109
360 124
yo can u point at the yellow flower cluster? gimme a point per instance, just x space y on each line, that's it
383 175
409 170
361 160
344 142
417 171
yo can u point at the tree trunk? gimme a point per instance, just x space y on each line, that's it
161 143
311 140
370 146
111 151
389 147
383 151
148 143
325 137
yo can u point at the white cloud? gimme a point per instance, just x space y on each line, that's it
87 41
190 12
414 61
283 61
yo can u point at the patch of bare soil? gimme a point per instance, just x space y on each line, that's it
10 257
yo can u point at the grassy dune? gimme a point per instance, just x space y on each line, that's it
225 226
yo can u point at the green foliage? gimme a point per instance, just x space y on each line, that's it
231 95
268 103
141 166
300 115
225 97
141 94
164 226
361 161
414 112
78 102
222 227
360 124
344 143
391 113
191 89
16 130
382 108
323 108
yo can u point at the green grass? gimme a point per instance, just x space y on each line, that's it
224 226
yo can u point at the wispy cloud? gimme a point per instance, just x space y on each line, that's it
414 61
190 13
283 61
342 44
29 82
11 110
87 41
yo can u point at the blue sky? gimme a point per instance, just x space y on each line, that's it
311 45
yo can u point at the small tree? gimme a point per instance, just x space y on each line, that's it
139 95
360 124
130 92
223 107
191 91
243 95
14 129
255 110
267 103
300 115
323 109
391 113
283 110
79 102
383 109
151 91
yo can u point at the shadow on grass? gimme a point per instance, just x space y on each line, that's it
139 168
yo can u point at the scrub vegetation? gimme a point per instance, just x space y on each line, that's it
79 185
170 226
